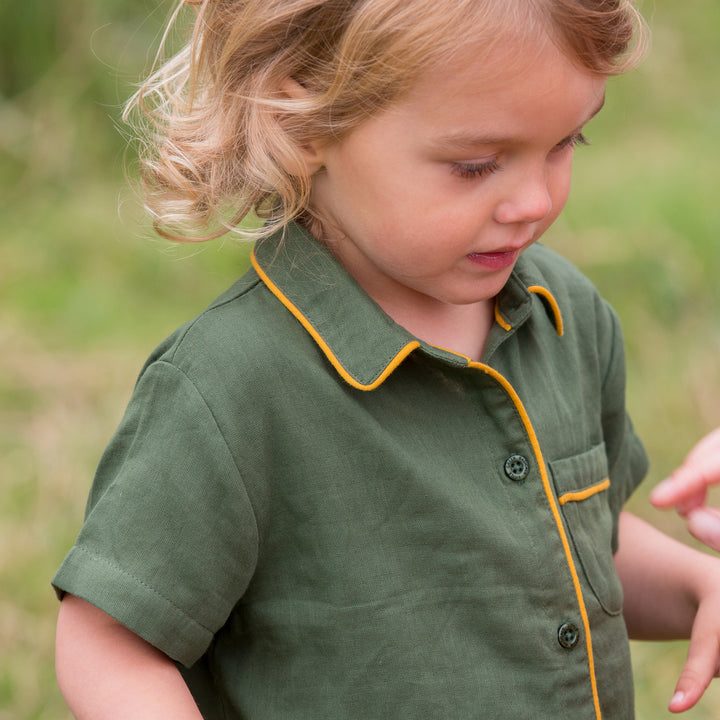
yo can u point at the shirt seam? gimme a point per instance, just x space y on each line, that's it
141 583
190 325
227 447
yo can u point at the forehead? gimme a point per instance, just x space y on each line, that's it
503 90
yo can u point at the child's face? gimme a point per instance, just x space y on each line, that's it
434 199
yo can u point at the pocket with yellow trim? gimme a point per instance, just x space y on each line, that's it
581 484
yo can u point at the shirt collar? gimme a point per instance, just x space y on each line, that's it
360 340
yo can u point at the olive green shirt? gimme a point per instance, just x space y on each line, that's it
319 516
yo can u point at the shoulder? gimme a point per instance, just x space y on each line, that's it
245 321
233 351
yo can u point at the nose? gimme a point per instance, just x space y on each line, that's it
526 201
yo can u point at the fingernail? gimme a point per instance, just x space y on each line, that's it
677 698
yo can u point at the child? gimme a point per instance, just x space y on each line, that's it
382 475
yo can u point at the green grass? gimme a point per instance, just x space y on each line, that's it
85 292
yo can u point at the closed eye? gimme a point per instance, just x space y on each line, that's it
571 141
475 170
482 169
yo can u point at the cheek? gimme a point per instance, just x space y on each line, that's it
396 216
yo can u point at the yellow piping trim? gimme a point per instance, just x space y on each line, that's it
558 520
344 374
540 290
584 494
500 320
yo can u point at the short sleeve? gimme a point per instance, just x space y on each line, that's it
169 541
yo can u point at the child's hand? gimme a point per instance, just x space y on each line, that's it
703 660
686 490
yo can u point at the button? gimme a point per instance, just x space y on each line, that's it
568 635
517 468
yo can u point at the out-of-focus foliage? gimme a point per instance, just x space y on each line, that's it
65 68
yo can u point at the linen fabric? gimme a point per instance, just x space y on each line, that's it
317 515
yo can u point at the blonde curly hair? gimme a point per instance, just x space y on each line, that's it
221 139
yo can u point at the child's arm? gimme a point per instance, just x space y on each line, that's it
686 490
105 671
671 592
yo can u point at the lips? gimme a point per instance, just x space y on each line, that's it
495 260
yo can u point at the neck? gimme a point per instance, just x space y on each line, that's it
461 329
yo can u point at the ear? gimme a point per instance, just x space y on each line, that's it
310 153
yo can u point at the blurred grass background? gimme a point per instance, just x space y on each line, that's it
86 291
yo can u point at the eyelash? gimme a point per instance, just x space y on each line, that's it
475 170
478 170
572 141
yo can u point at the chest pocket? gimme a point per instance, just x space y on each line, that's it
581 484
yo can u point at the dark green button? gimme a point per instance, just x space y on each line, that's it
568 635
517 468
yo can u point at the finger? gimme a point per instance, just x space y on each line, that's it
699 470
699 670
683 486
704 524
693 502
704 462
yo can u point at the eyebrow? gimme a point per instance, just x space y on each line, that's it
468 139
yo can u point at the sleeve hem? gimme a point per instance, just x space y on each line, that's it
136 605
